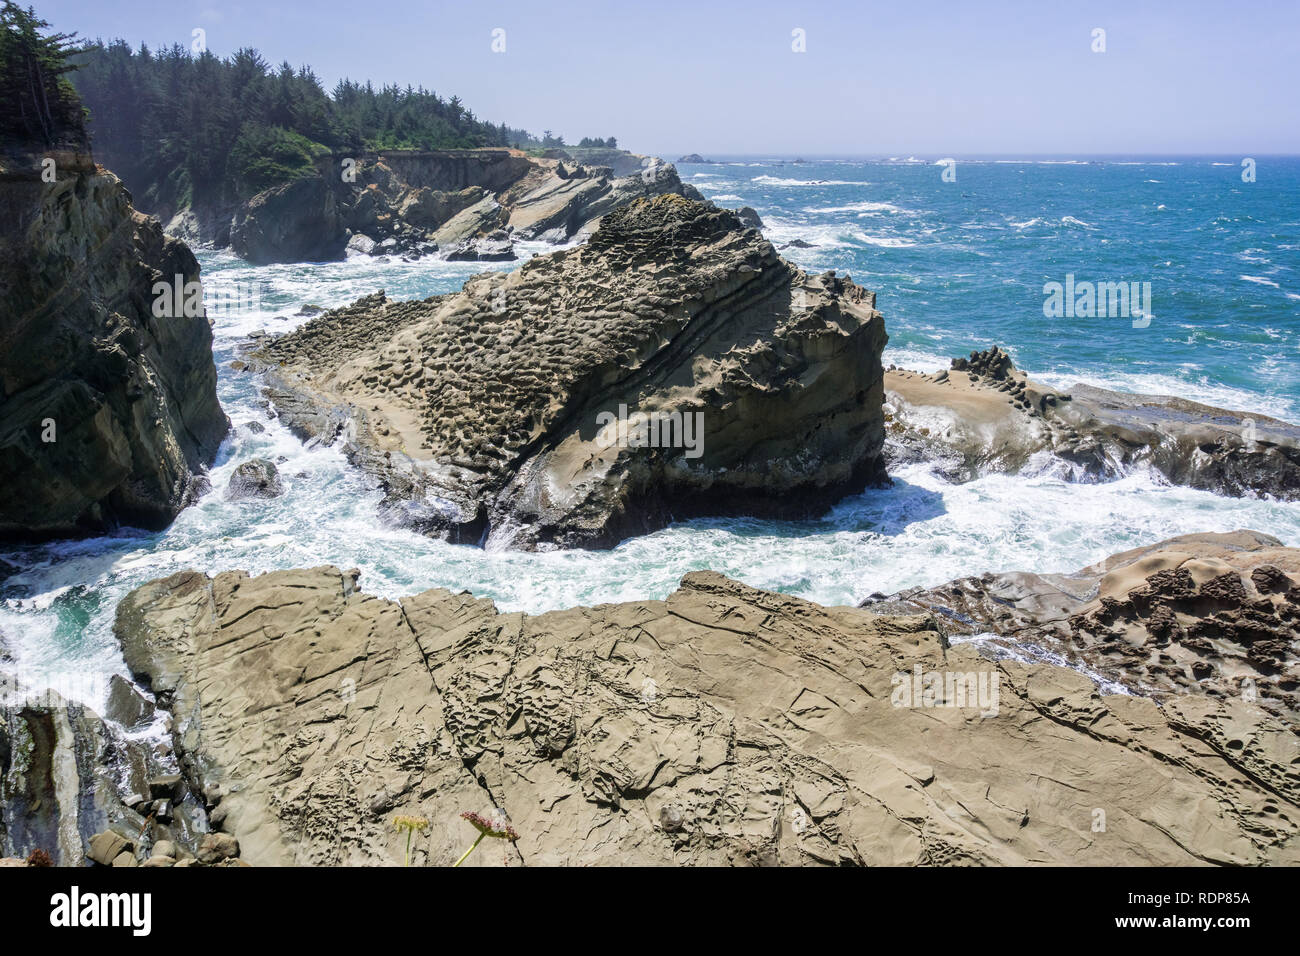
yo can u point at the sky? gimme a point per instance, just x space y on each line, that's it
902 77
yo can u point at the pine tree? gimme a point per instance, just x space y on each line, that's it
38 106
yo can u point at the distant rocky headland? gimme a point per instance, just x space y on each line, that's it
460 204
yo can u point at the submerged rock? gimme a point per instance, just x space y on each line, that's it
255 478
673 366
725 725
108 402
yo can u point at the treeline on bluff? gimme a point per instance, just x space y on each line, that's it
196 130
38 106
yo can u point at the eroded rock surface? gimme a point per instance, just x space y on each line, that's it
511 414
1210 614
725 725
985 415
108 409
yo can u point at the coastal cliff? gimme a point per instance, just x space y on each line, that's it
108 410
673 366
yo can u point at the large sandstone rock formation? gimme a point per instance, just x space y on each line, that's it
985 415
108 411
1215 614
507 414
413 203
725 725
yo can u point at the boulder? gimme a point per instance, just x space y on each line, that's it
216 847
295 222
497 246
749 218
126 705
255 478
361 244
106 847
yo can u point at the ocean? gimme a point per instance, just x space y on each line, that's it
957 262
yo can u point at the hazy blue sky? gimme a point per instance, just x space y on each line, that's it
905 76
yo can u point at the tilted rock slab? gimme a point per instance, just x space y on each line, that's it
494 416
985 415
725 725
108 412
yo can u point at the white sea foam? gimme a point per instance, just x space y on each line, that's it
1260 280
858 207
779 181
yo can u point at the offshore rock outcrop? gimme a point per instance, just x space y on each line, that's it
463 204
724 725
986 415
672 366
108 411
1217 614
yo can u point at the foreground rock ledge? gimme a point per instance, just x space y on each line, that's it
725 725
493 416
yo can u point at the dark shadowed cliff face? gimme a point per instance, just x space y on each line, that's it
108 411
673 366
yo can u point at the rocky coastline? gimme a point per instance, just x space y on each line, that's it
723 725
985 415
456 204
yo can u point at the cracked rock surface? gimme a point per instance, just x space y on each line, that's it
1217 614
724 725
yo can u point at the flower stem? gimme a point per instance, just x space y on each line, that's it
470 850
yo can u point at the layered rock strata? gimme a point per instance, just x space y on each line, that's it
985 415
672 366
